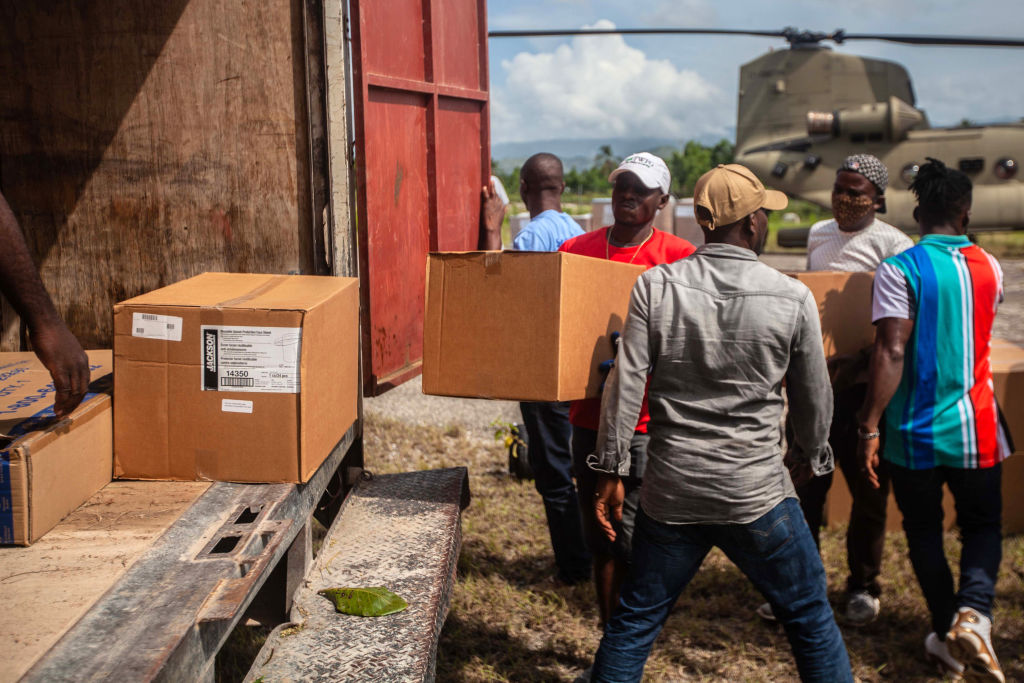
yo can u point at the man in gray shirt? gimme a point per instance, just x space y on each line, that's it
716 335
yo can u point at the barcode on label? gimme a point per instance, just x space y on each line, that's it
237 381
140 330
170 326
147 316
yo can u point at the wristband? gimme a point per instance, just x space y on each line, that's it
867 436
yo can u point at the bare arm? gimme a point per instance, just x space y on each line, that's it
492 213
891 336
53 343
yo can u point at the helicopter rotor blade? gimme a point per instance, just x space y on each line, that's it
792 35
960 41
631 32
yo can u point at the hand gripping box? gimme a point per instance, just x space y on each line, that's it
523 326
48 467
235 377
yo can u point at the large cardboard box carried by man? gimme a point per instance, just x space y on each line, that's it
235 377
1008 380
522 326
48 467
844 308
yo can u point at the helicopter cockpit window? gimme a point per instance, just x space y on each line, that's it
972 164
1006 168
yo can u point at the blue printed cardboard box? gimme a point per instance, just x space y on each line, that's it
48 467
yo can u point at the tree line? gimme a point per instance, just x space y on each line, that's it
686 164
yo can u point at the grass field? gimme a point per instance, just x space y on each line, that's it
510 622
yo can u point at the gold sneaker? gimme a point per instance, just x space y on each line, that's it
969 641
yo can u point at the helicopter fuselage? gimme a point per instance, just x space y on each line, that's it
802 111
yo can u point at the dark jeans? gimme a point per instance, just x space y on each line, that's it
549 433
979 505
865 536
584 441
776 552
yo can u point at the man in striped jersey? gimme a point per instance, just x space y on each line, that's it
933 307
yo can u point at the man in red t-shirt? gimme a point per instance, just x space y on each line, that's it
641 185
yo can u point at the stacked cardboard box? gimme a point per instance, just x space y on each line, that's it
235 377
844 304
521 326
48 467
1008 377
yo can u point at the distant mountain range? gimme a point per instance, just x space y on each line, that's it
580 153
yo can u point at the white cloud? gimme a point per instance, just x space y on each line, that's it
601 87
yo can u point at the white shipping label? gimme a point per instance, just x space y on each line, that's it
152 326
233 405
242 358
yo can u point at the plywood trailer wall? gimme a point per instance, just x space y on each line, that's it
145 142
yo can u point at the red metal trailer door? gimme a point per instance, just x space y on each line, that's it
422 154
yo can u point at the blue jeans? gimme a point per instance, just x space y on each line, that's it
776 552
549 434
979 505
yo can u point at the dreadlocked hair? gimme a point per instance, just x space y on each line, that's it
942 193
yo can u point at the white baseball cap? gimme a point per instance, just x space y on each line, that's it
651 170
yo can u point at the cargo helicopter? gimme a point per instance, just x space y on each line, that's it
803 110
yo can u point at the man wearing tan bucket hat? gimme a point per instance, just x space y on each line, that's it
716 334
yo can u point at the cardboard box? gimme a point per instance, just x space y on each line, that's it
839 502
521 326
844 306
49 467
1008 377
235 377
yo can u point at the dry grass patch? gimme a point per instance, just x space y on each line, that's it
510 622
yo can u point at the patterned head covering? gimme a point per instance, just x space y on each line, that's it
868 166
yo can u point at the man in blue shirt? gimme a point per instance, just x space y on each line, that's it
547 424
541 186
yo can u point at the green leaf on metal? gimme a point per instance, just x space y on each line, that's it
377 601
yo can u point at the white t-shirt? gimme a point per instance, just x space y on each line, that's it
829 248
891 297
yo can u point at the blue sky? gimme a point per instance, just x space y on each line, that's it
683 86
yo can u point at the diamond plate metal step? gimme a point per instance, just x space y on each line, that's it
402 531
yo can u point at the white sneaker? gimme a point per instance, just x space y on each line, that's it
970 641
935 652
766 613
861 608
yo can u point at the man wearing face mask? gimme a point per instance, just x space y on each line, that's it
854 241
640 190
